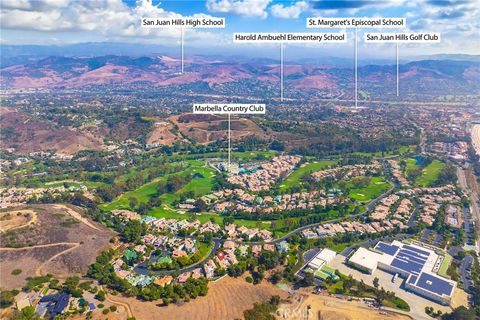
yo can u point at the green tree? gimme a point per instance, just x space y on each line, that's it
275 278
133 231
71 286
460 313
100 296
29 312
7 298
200 205
228 220
308 279
142 208
132 202
277 145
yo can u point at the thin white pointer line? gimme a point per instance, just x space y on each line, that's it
356 73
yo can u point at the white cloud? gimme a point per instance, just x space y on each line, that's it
112 19
15 4
249 8
68 21
291 12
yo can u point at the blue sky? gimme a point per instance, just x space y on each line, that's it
76 21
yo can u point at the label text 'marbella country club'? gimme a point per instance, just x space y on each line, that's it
229 108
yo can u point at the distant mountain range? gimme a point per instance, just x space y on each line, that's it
446 76
21 54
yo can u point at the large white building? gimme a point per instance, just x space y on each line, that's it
318 265
323 257
416 263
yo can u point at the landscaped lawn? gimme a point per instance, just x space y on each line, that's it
339 247
369 292
200 186
55 184
204 249
411 163
442 271
375 188
429 173
236 156
400 151
204 217
294 178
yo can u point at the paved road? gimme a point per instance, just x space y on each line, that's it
422 135
141 269
218 241
368 207
466 264
371 242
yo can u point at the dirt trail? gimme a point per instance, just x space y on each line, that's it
62 181
38 272
41 246
8 225
76 215
226 299
330 308
126 305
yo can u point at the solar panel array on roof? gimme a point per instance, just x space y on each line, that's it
389 249
410 267
434 284
56 303
411 256
412 279
62 302
410 259
411 248
49 298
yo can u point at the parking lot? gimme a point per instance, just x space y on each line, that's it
416 302
468 226
432 237
466 271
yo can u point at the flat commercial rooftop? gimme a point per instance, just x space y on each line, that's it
412 260
322 258
368 259
409 261
389 249
326 254
432 283
407 258
316 263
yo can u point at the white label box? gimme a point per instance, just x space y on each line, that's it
408 37
158 23
229 108
320 22
289 37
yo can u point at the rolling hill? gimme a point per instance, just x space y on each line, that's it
425 76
